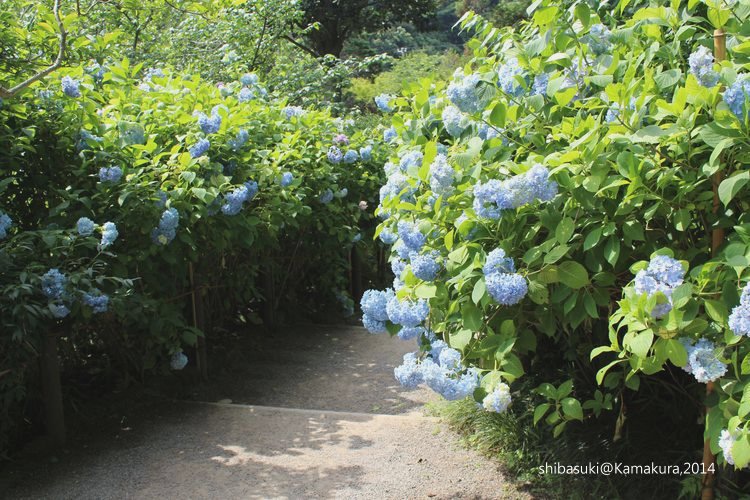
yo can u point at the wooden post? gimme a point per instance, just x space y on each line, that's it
356 275
49 368
717 238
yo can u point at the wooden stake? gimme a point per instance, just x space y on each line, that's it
717 238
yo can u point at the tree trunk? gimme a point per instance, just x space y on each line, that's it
49 368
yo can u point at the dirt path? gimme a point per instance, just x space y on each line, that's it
320 416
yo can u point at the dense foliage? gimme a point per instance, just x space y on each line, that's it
570 157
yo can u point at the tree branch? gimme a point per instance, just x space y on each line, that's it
299 45
13 91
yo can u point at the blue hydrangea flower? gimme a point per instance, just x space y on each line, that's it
374 302
407 312
394 186
167 229
178 361
70 87
85 137
441 175
110 174
245 95
249 79
613 112
200 148
373 326
454 121
366 153
161 199
58 310
334 154
382 102
409 333
492 197
5 224
390 134
387 236
702 67
485 132
411 235
506 289
598 39
53 284
703 362
240 140
234 200
402 250
85 226
739 319
290 111
661 276
351 156
153 73
498 400
409 373
286 179
96 301
109 234
326 197
209 124
735 96
507 78
448 384
425 267
398 266
411 160
539 87
450 359
497 262
666 270
463 94
726 443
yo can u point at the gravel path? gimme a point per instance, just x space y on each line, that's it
326 420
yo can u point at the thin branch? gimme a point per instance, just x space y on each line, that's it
12 92
260 41
185 11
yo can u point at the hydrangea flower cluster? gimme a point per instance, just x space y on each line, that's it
449 382
110 174
209 124
290 111
506 289
407 312
739 319
53 284
178 361
234 200
498 400
85 226
245 95
97 301
411 160
463 94
613 112
454 121
662 275
702 67
411 332
497 262
426 266
249 79
387 236
365 153
703 362
441 175
5 224
351 156
70 87
286 179
726 443
539 87
492 197
374 313
735 96
109 234
335 155
409 373
326 197
598 39
383 102
167 229
341 140
84 137
507 78
200 148
485 132
390 134
411 235
58 310
395 184
240 140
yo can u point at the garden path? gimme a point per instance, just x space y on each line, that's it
337 425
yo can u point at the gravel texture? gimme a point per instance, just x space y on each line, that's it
327 420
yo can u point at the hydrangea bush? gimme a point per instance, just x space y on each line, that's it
583 223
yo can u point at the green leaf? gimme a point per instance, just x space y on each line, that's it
639 343
741 452
667 79
564 229
472 316
572 408
592 238
497 117
572 274
540 411
461 339
730 186
556 254
716 310
479 291
676 352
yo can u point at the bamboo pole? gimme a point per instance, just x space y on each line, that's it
717 238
